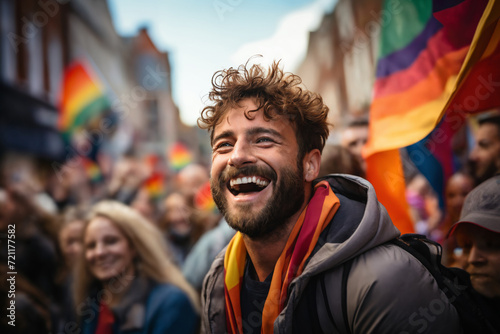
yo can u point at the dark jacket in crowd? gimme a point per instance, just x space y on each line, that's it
147 308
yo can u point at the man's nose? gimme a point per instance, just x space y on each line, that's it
476 256
242 154
473 154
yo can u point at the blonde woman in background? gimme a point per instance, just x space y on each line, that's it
70 243
125 282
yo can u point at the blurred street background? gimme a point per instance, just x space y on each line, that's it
99 99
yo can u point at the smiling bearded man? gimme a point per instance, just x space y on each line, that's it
281 271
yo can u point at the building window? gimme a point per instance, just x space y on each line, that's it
8 36
35 64
55 67
153 121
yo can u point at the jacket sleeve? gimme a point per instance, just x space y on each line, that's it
169 310
389 291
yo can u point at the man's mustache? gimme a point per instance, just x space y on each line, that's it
231 172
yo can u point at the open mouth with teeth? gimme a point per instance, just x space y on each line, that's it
247 184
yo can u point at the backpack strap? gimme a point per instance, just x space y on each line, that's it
332 287
345 276
429 253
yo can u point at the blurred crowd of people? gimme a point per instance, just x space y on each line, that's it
84 248
482 163
109 244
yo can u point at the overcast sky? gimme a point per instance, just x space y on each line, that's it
205 36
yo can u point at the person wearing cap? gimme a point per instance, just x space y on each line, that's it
477 232
484 158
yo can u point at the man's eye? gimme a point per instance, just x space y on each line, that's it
483 144
265 140
492 244
222 145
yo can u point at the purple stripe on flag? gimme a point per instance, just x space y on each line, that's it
403 58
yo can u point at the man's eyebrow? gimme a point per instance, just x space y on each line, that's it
224 134
259 130
250 132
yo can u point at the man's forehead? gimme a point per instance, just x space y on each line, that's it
249 131
237 117
489 130
354 134
469 229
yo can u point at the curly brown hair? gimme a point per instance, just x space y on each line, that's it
275 92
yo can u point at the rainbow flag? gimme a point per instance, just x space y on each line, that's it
154 185
179 156
203 199
82 98
422 51
92 170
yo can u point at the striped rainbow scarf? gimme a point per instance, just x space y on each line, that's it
301 242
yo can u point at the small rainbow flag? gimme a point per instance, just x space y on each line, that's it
179 156
92 170
203 199
154 185
82 98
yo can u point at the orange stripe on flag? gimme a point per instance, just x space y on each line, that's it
424 91
400 130
81 98
385 172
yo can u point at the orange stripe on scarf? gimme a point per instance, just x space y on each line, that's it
301 242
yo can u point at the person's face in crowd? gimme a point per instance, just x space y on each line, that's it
143 204
485 157
107 251
456 190
256 179
190 179
177 215
354 138
70 241
481 249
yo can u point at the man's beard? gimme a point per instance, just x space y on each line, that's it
286 200
480 176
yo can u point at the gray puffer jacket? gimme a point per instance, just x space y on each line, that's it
388 290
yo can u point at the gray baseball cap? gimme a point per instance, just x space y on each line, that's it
482 206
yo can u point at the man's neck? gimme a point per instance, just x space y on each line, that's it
264 255
265 252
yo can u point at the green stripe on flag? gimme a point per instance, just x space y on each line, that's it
407 19
90 111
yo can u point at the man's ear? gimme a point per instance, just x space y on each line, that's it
311 163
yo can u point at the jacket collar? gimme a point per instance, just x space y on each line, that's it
131 311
